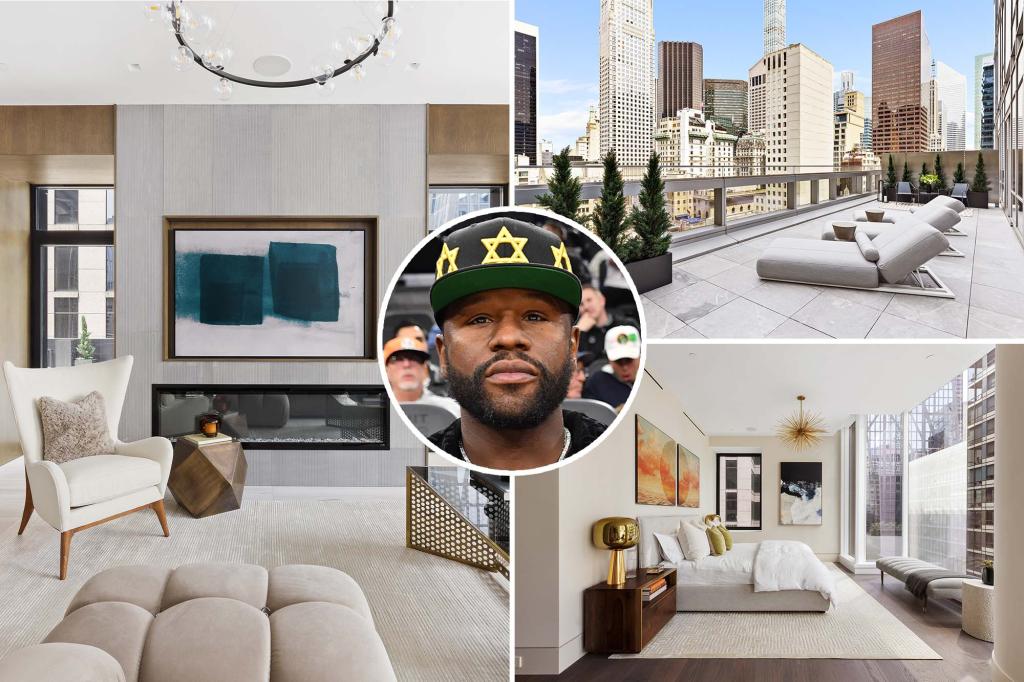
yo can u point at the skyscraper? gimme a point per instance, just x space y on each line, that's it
845 86
901 58
680 77
626 61
774 25
725 103
867 137
849 125
951 91
526 37
984 102
588 145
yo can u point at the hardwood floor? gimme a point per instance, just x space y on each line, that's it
964 659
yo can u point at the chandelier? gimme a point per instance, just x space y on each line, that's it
801 431
194 32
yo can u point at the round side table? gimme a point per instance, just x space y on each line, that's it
978 604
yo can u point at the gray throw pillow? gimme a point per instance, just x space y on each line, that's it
76 429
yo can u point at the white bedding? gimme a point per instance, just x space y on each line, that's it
735 567
788 565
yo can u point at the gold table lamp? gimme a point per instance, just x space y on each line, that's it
617 533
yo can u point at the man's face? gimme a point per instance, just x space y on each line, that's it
406 372
625 369
592 303
579 377
509 355
411 332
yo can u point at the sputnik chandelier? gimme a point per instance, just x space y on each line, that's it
194 35
801 431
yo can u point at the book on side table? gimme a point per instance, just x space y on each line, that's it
622 619
201 440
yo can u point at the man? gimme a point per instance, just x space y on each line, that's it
410 330
405 361
622 347
506 301
579 376
594 322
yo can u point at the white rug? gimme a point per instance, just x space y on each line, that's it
857 628
439 620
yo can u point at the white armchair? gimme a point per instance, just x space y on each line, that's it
85 492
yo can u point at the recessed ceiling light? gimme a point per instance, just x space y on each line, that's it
272 65
929 356
413 66
135 67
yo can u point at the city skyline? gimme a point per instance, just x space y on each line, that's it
568 80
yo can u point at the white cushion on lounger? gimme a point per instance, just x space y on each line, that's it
945 202
818 262
940 217
904 250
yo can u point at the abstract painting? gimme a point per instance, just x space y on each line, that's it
655 465
689 478
268 293
800 494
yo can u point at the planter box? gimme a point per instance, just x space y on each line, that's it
925 197
977 199
651 273
82 361
890 195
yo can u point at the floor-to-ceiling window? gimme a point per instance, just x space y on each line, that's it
937 478
884 493
72 275
739 491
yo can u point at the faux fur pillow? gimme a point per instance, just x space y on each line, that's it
76 429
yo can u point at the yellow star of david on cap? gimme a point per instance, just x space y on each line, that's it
448 257
561 257
505 237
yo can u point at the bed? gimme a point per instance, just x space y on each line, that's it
724 583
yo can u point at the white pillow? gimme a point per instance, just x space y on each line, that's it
670 549
695 539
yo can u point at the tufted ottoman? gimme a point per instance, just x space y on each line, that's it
219 623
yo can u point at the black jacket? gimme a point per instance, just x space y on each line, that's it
582 432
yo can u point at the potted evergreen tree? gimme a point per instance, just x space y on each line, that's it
609 219
563 195
906 173
959 175
925 182
940 173
889 191
977 195
646 255
84 350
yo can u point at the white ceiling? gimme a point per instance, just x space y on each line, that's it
80 52
729 389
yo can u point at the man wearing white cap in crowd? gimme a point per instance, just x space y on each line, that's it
622 348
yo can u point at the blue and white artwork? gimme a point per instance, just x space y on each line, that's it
800 494
269 293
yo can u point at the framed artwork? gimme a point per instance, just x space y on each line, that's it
655 465
270 288
688 493
800 494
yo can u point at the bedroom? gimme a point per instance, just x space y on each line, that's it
901 468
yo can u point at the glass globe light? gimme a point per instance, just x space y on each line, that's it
223 89
387 55
154 11
182 58
390 31
326 88
359 72
198 29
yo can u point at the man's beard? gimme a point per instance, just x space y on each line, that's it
468 391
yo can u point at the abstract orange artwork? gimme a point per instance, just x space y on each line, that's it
689 479
655 465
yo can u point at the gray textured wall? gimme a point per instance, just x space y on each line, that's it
331 160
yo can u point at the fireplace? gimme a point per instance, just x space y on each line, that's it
293 417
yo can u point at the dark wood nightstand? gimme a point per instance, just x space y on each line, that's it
616 619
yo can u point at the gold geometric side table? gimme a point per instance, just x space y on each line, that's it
436 525
208 479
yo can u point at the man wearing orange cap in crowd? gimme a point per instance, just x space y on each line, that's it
405 360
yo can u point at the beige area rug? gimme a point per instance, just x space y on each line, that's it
858 627
439 620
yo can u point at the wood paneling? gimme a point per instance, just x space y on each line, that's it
59 169
279 160
34 130
468 144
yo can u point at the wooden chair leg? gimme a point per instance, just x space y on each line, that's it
65 550
158 507
29 507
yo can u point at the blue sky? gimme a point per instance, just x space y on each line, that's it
730 31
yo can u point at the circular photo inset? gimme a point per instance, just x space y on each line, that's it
511 339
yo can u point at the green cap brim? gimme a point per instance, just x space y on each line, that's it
556 282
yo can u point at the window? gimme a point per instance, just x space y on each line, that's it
884 492
738 479
448 203
72 273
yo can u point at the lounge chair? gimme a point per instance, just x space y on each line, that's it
893 262
946 202
941 218
905 189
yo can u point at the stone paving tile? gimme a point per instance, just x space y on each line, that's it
985 324
892 327
998 300
739 279
947 315
837 316
706 266
782 297
696 301
680 280
739 319
660 322
791 329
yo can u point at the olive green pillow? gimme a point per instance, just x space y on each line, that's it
717 541
727 535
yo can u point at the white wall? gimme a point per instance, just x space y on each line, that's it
823 539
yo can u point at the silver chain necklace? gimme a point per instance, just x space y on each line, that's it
565 447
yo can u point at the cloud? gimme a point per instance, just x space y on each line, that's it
561 86
572 123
